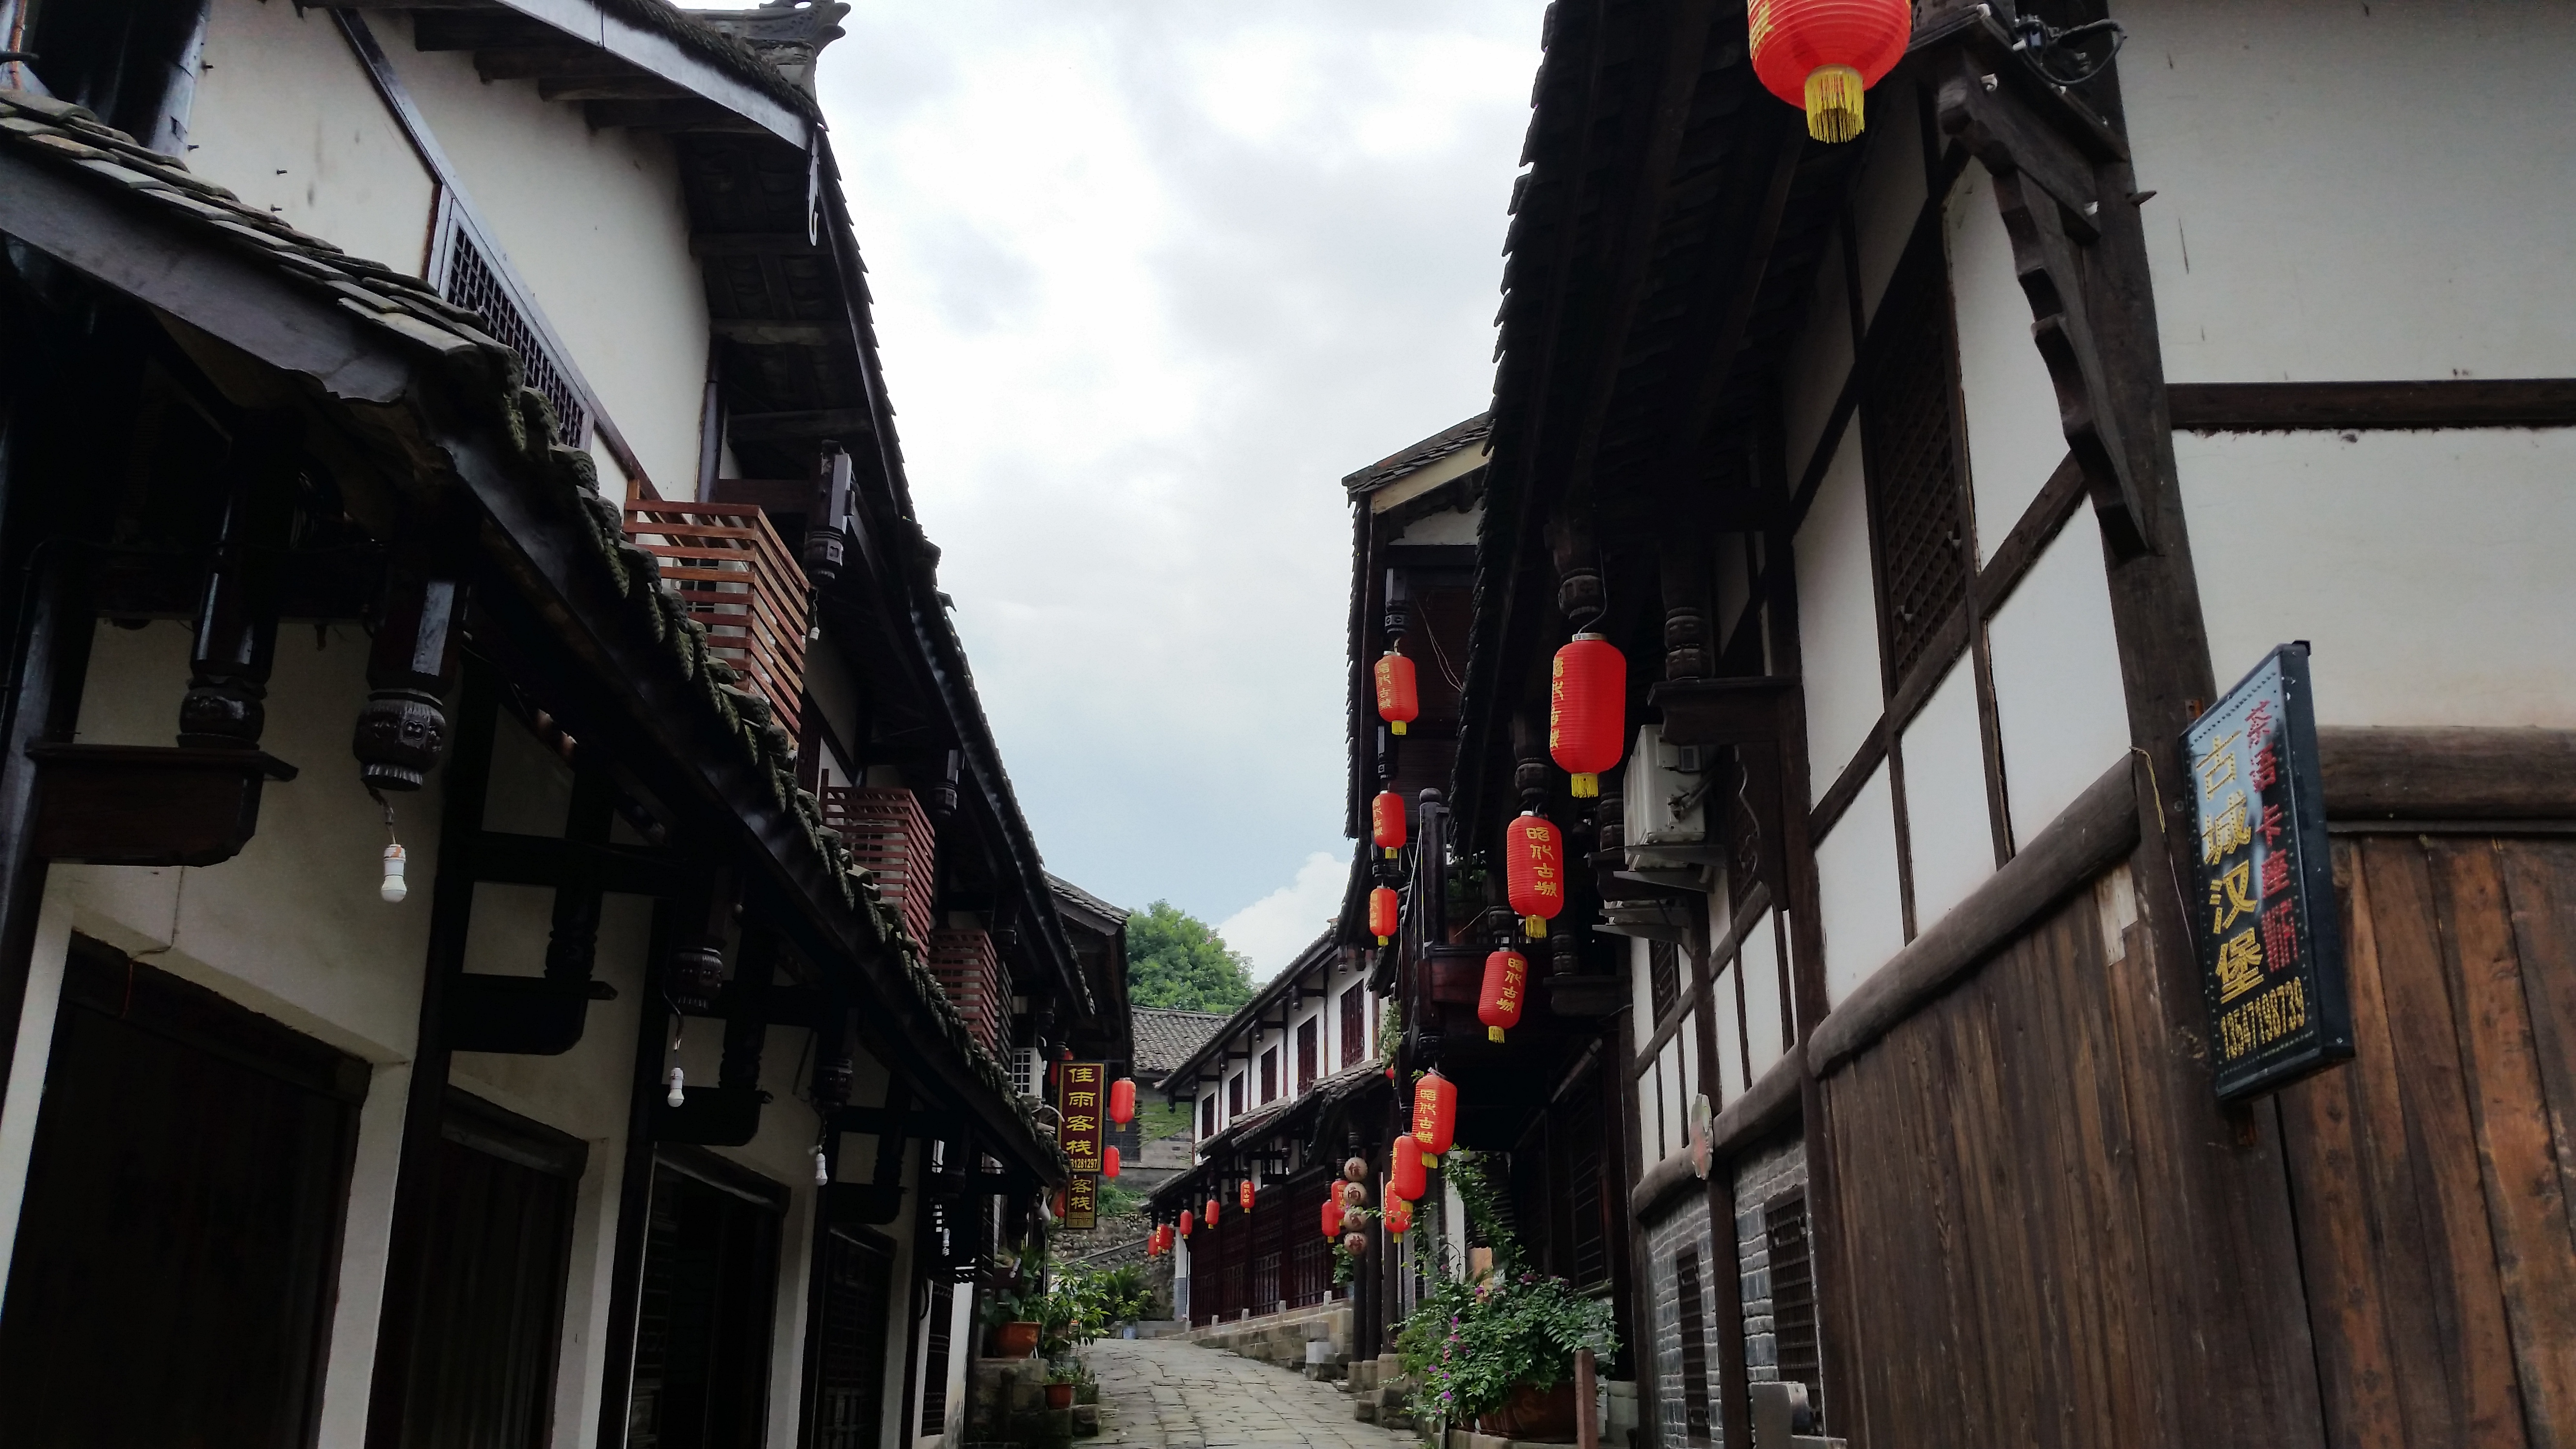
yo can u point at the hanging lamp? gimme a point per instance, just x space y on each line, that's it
1243 1195
1534 870
1822 54
1435 1112
1398 703
1332 1218
1189 1221
1386 821
1108 1162
1122 1101
1587 701
1399 1217
1498 1006
1385 914
1405 1180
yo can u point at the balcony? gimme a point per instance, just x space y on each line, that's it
736 577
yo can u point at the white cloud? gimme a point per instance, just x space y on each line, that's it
1273 929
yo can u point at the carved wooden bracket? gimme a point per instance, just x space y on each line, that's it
2045 188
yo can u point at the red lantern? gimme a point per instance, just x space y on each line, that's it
1404 1181
1332 1218
1399 1216
1386 821
1059 1206
1435 1112
1355 1244
1210 1219
1109 1155
1821 54
1499 1005
1243 1194
1396 699
1188 1221
1534 869
1383 908
1122 1101
1587 702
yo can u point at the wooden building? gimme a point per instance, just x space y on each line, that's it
486 392
1931 484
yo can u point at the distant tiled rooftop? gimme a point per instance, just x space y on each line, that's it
1165 1038
1439 445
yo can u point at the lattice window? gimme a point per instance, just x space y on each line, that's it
1663 976
1917 490
1693 1307
1307 1052
935 1343
1270 1074
971 974
1793 1296
889 834
736 576
474 283
1588 1237
1354 1024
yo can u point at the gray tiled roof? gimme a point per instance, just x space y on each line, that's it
1165 1038
1430 450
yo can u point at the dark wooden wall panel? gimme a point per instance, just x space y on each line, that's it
2431 1174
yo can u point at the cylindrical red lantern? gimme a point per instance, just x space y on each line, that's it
1821 54
1534 870
1108 1162
1399 1216
1243 1195
1210 1217
1498 1006
1122 1101
1435 1112
1397 702
1587 707
1384 921
1386 821
1188 1221
1355 1244
1404 1181
1332 1218
1058 1205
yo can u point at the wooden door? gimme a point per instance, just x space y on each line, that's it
491 1289
2431 1175
845 1391
178 1250
703 1326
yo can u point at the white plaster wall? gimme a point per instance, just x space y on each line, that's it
1730 1039
1892 190
1948 836
1448 526
1641 986
1857 896
2059 703
1819 362
28 1059
1668 1082
2429 570
1763 994
596 223
1837 619
2351 191
285 116
2014 439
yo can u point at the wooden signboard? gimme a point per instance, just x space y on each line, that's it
2271 948
1080 1089
1082 1203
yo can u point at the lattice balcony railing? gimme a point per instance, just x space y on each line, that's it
968 969
889 833
736 576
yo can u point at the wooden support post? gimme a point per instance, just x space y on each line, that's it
237 614
1587 1421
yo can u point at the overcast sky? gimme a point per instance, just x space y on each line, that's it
1150 277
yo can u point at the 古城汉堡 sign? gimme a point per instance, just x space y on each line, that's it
2271 951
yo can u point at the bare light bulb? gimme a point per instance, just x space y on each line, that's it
822 1170
677 1096
393 890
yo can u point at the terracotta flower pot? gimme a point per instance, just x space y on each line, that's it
1015 1339
1533 1414
1059 1396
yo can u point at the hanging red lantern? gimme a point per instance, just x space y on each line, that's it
1210 1219
1059 1207
1386 821
1384 921
1355 1244
1109 1161
1399 1216
1404 1181
1243 1195
1534 870
1188 1221
1435 1112
1587 703
1122 1101
1498 1006
1397 701
1821 54
1332 1218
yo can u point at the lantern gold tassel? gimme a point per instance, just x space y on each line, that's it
1586 785
1833 106
1534 926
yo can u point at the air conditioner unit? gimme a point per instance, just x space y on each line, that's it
1028 1072
1664 807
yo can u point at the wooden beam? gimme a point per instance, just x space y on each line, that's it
811 424
749 243
778 334
634 85
2462 773
1758 222
537 62
702 117
2259 407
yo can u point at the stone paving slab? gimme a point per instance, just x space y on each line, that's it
1171 1394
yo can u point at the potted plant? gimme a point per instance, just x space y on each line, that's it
1061 1375
1015 1311
1499 1352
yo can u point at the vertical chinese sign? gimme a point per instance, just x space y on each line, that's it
1081 1089
2271 950
1082 1203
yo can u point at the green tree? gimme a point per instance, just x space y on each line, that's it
1177 961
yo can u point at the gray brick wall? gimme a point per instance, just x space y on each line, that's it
1759 1178
1686 1226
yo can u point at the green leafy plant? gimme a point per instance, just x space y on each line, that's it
1483 1201
1081 1304
1178 961
1468 1345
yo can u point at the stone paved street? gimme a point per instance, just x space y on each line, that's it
1175 1395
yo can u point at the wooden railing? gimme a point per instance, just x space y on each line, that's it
736 576
888 832
971 973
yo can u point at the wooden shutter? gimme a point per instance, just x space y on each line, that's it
1663 976
702 1333
1917 494
847 1326
1354 1025
1793 1296
1269 1074
934 1357
1694 1345
1306 1052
